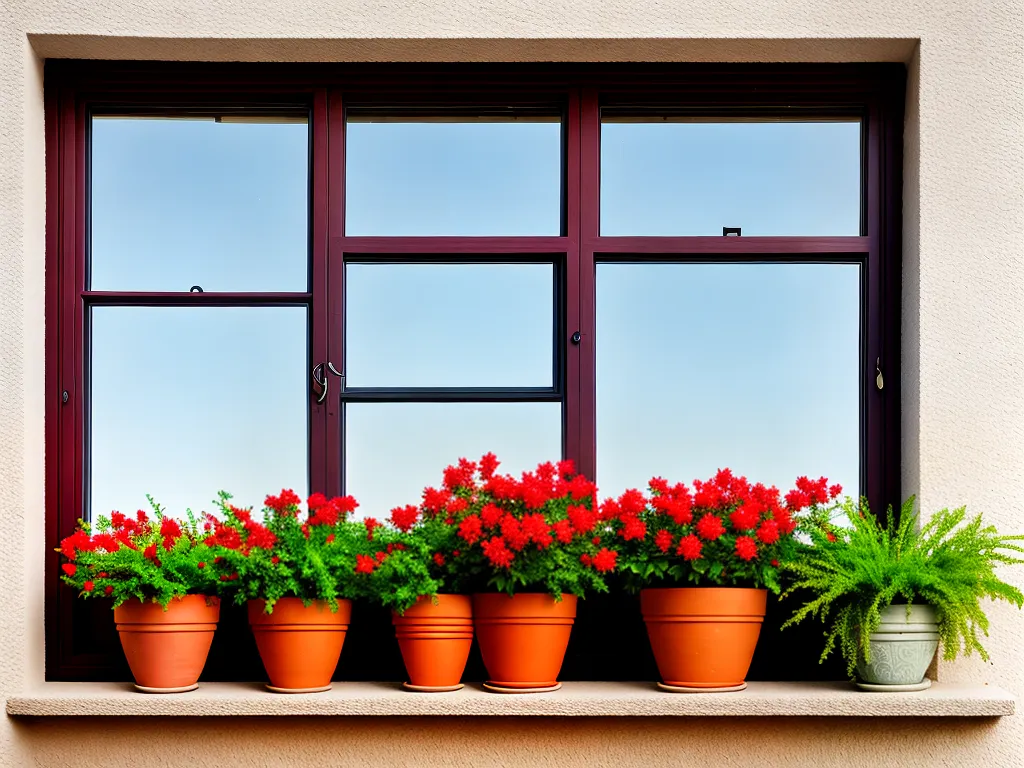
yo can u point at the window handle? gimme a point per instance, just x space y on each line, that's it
879 381
726 231
320 380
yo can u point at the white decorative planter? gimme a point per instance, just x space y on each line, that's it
902 648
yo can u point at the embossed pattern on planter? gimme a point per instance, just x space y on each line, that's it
897 662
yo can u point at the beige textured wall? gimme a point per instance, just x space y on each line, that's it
963 331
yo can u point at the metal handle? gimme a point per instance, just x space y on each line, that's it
726 231
321 381
879 381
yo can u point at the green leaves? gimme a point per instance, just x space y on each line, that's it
949 564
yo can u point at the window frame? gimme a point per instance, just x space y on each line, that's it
73 88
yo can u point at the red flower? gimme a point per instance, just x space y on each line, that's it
710 527
491 515
775 563
258 535
768 533
106 542
287 502
830 536
632 502
470 529
835 490
460 476
536 528
583 520
663 540
633 528
108 590
744 517
404 518
586 559
329 539
117 519
496 551
88 586
200 565
488 465
513 533
370 524
563 531
315 501
79 541
275 560
69 568
689 547
169 528
438 559
457 505
746 548
150 553
435 500
580 488
566 468
365 564
381 557
658 485
604 560
102 574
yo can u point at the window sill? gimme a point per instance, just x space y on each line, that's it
577 699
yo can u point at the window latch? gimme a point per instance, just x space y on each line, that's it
879 381
320 383
726 231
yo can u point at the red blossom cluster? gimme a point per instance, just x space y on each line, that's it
725 520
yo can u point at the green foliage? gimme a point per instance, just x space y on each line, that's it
283 556
404 575
855 572
153 559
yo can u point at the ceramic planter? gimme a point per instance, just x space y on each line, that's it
167 650
523 639
703 638
299 645
435 638
901 650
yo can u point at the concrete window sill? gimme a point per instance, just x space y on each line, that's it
589 699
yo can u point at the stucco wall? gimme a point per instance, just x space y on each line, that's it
963 331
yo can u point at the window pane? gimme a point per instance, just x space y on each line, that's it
675 177
183 202
449 325
189 401
748 366
394 450
433 177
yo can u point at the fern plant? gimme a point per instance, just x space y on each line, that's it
856 570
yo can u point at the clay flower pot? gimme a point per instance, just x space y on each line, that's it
435 640
167 650
300 646
703 637
523 639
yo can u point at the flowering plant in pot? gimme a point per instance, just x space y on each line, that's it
725 540
298 575
155 572
526 549
894 591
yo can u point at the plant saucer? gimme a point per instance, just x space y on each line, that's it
878 688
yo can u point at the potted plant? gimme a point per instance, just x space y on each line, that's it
155 571
528 549
725 539
297 577
894 591
431 610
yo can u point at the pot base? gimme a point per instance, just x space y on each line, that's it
432 688
690 689
181 689
924 685
320 689
494 688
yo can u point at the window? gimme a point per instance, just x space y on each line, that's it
316 278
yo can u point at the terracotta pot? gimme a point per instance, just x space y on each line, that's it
167 650
523 638
703 637
300 646
435 640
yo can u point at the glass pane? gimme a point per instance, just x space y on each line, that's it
449 325
183 202
189 401
749 366
394 450
685 177
451 177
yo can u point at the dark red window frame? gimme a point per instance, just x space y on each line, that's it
81 644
